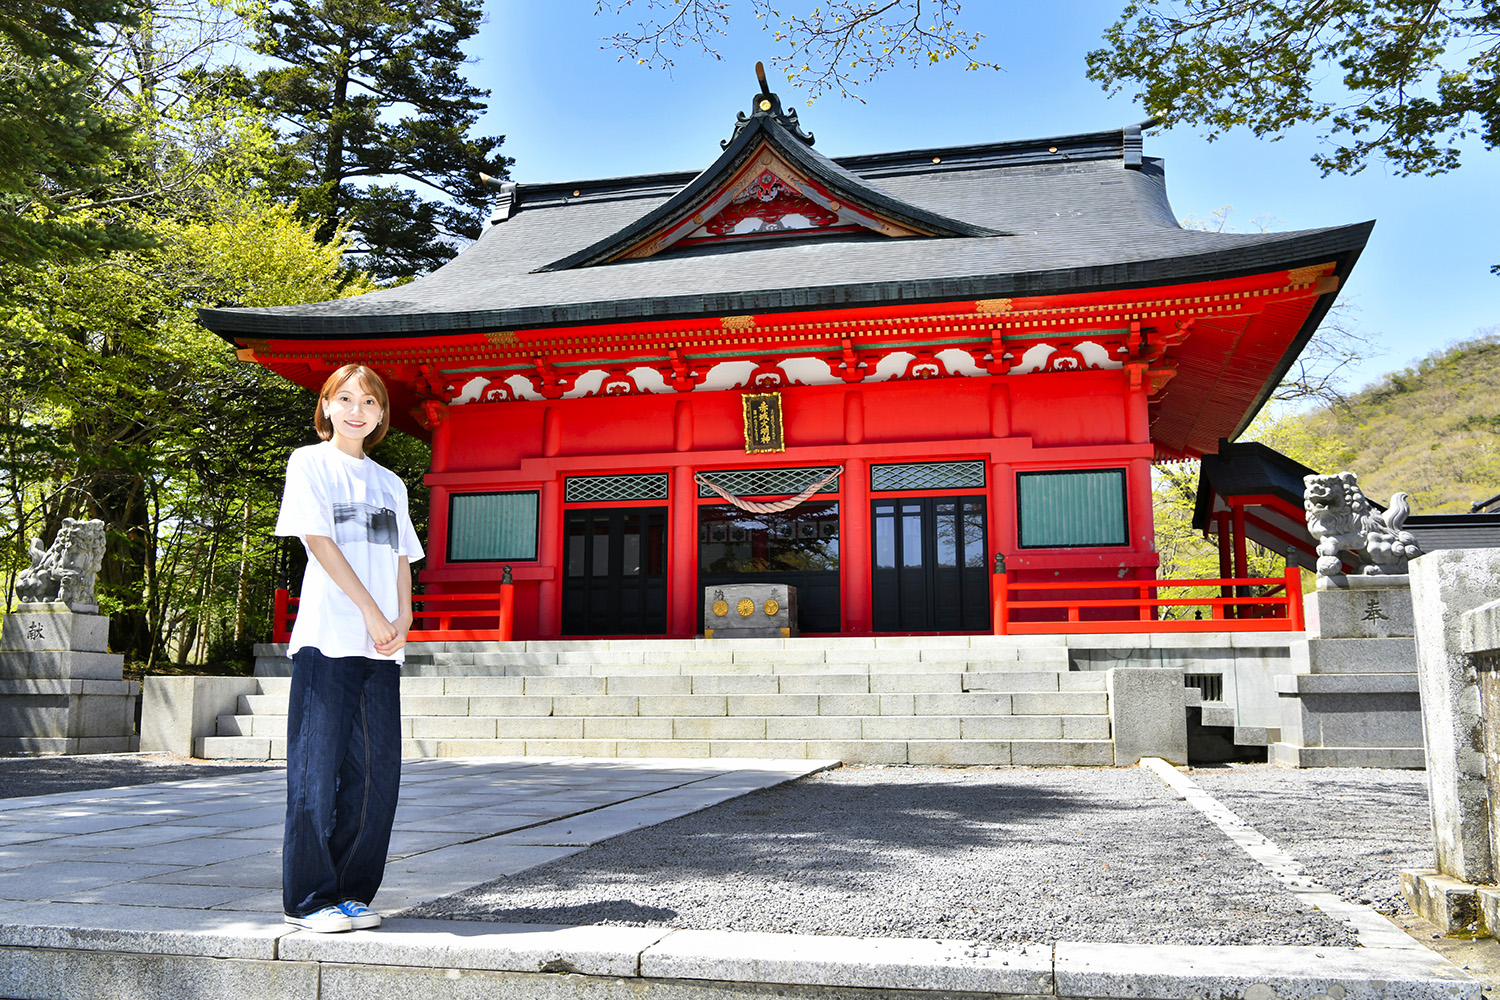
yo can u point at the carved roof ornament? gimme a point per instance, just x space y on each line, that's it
767 105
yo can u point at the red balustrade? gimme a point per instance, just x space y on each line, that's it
1277 607
435 617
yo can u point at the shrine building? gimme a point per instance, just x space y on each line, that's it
866 377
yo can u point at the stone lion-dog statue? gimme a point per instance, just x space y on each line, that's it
66 571
1342 520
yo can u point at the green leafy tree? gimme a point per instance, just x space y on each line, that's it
57 143
126 409
368 94
1403 80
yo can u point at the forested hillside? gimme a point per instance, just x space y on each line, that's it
1432 430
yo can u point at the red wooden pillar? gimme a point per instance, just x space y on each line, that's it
442 435
1226 545
436 542
682 555
549 549
1002 513
1241 559
1137 414
1002 516
854 547
1226 558
1139 505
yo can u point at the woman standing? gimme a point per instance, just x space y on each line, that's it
344 717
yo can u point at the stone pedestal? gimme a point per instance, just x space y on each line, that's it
61 691
750 611
1351 700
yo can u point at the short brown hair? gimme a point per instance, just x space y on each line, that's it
372 383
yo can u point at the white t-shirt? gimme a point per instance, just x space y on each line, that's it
362 506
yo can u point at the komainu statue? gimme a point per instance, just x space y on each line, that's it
66 571
1341 519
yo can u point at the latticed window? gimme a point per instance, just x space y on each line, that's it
485 527
598 489
1071 509
769 482
927 476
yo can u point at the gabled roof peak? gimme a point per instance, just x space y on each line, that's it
768 183
767 105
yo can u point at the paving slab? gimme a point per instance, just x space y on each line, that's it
160 930
1257 973
589 951
842 961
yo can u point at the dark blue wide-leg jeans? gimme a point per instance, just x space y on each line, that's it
343 774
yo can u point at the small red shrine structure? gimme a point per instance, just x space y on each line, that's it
944 356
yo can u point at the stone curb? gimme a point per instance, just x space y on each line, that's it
605 953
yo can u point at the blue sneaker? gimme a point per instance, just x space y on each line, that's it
361 917
328 920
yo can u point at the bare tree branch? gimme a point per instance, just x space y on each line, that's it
837 46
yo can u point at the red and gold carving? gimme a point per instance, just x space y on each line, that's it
773 202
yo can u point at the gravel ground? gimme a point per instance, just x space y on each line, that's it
1353 829
45 775
988 855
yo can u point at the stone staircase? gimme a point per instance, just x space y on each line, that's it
918 700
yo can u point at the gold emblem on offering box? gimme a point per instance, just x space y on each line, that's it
746 607
763 429
771 608
721 608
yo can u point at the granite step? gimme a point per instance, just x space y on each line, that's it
1036 753
917 699
741 727
801 704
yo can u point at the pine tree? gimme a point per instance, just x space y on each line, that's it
56 144
371 94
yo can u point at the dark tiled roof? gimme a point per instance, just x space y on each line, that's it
1087 213
1248 468
1251 469
1455 531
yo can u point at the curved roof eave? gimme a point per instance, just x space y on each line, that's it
1345 262
1342 243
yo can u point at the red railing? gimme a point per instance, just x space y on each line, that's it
1277 608
435 617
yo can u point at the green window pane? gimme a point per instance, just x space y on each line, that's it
1071 509
492 526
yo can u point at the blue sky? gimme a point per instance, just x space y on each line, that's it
570 111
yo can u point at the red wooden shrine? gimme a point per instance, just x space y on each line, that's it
971 353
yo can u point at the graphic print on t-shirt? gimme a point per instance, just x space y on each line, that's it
362 522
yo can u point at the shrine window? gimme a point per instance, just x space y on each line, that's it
491 527
911 476
1075 509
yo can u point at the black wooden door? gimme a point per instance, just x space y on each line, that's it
929 571
615 571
